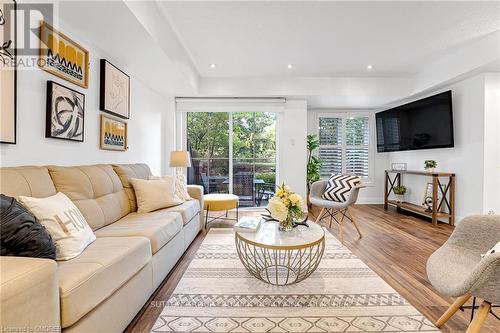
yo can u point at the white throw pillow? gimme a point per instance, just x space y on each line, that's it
64 222
180 186
494 249
154 194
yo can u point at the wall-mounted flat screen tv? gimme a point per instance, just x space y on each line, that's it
423 124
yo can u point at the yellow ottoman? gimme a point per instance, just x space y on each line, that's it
217 202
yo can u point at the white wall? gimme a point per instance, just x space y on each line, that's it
292 145
492 143
374 192
466 159
150 127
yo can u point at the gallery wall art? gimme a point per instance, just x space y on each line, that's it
63 57
65 117
113 134
114 95
8 73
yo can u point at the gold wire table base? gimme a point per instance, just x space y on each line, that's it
279 266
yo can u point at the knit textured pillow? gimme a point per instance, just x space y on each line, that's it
339 187
494 249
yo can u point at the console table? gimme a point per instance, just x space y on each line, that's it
446 189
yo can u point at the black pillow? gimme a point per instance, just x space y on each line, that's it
21 234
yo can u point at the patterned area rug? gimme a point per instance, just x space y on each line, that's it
217 294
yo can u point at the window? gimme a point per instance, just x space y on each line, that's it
344 144
233 153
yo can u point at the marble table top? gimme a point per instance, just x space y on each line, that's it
269 235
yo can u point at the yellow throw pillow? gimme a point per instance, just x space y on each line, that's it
154 194
180 186
64 222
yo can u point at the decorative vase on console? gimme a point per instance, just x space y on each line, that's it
399 192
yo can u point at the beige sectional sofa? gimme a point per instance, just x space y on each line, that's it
102 289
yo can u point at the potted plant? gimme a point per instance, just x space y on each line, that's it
430 165
400 191
313 163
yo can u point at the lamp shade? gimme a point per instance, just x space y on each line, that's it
180 159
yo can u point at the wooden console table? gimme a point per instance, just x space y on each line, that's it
447 191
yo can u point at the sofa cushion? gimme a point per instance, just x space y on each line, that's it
159 227
22 235
29 181
188 210
155 194
95 189
64 222
127 172
97 273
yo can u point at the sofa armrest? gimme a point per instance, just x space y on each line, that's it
196 192
29 295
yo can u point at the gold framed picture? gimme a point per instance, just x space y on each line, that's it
113 135
63 57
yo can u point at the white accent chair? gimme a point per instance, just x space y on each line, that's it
337 211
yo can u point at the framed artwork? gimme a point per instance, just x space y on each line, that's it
398 166
428 193
113 134
114 95
65 117
8 72
63 57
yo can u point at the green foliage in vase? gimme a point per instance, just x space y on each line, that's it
313 162
400 190
430 164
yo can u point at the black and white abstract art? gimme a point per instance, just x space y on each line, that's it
65 113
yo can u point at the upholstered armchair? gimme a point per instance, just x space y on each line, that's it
457 270
336 211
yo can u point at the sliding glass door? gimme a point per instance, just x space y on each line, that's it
233 153
208 142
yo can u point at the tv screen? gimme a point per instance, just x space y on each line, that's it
423 124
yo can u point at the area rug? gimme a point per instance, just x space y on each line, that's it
217 294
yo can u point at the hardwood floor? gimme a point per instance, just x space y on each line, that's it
396 246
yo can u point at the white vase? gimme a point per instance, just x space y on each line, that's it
400 197
430 170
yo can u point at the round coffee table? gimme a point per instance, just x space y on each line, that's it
281 258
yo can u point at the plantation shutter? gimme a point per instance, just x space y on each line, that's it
330 145
356 150
344 145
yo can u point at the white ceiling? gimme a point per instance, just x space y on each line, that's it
323 39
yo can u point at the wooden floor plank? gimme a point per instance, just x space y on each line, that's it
395 246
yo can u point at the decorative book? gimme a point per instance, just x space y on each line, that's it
248 224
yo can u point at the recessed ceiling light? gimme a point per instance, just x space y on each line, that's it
290 66
369 67
213 65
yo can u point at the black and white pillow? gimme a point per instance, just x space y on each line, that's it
339 187
494 249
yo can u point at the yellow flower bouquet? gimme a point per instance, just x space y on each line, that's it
286 207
